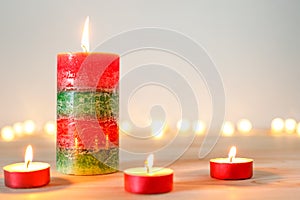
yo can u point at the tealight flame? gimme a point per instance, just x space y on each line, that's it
28 155
232 153
149 163
85 43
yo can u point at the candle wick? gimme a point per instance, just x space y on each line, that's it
84 48
27 164
147 167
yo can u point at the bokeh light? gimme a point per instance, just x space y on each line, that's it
50 128
228 129
7 133
199 127
18 128
290 125
244 126
277 125
29 127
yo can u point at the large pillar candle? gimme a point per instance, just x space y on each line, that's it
87 113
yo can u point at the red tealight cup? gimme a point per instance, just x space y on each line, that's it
18 176
241 169
159 180
231 168
27 174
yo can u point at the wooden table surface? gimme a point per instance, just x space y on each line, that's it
276 172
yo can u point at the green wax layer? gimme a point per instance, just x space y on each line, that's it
81 104
84 162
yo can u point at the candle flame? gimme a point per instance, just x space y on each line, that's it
28 155
232 153
85 43
149 163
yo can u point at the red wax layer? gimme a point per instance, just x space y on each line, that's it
27 179
87 71
148 184
89 134
231 171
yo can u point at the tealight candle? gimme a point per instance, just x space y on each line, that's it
148 180
28 174
231 168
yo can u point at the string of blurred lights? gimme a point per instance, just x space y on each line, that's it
28 127
278 126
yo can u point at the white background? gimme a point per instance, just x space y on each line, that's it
255 45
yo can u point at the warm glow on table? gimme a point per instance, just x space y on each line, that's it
273 178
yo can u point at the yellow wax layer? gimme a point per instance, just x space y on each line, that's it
21 167
155 171
234 160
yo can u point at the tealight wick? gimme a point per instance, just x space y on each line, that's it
147 167
149 163
28 155
232 153
27 164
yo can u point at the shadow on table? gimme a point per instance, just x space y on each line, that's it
64 181
55 184
200 179
266 176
